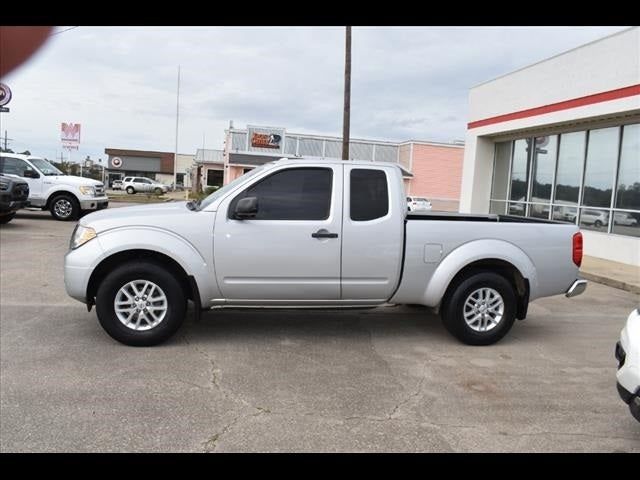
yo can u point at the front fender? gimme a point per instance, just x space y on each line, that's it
474 251
168 243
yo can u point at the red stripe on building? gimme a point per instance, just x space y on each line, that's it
565 105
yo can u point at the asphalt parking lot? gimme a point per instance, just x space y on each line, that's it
359 381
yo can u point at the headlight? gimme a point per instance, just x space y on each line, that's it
81 235
87 190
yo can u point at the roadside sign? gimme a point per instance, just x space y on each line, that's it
5 95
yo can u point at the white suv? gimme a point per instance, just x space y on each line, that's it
418 203
628 356
65 196
143 184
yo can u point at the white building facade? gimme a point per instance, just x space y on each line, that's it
560 140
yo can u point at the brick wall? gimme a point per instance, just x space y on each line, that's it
437 173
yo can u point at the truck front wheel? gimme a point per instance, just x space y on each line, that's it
140 304
64 207
480 309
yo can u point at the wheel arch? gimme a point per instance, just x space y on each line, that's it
59 191
187 282
500 256
503 268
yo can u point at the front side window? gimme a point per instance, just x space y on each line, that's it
45 167
291 194
369 194
14 166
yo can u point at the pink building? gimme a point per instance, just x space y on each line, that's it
430 169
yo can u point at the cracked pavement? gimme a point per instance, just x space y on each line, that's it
295 381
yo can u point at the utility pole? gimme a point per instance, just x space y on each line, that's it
175 156
347 96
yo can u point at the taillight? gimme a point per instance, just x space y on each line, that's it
577 248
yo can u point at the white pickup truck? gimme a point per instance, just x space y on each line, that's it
310 233
65 196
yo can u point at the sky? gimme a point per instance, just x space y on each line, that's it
120 82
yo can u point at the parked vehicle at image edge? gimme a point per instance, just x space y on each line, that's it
291 233
623 218
418 203
65 196
143 184
596 218
14 193
628 356
116 185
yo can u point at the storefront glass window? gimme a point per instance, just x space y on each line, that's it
519 169
602 153
501 171
570 160
544 164
628 195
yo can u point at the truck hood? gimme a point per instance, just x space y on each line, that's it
156 215
70 180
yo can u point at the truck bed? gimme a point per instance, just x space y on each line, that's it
476 217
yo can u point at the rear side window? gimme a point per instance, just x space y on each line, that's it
369 194
292 194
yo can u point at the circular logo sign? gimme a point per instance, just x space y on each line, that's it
116 162
5 94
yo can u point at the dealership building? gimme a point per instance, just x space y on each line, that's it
430 169
560 140
157 166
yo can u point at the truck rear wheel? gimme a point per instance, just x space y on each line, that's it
64 207
140 304
480 309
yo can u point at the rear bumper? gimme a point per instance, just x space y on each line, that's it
576 288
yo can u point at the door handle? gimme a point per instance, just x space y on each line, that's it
324 234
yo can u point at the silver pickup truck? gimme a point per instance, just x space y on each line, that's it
315 233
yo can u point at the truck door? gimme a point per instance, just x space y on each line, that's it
290 249
17 166
372 232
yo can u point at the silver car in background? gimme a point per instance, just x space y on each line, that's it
143 184
418 203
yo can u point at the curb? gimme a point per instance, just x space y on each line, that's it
611 282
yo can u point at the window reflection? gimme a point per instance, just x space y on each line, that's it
544 163
602 153
519 169
517 209
626 223
628 195
570 159
565 213
539 211
501 171
594 219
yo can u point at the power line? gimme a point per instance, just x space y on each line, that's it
62 31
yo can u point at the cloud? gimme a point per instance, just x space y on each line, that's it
120 82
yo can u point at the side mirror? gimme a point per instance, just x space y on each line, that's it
30 174
246 208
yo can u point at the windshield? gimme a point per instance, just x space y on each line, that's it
45 167
229 186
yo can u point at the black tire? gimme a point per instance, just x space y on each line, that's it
158 191
454 306
130 190
64 207
141 270
7 218
597 224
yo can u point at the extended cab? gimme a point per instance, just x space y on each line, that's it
65 196
315 233
13 196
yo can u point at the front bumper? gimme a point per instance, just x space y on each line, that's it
78 267
576 288
11 206
629 376
97 203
